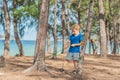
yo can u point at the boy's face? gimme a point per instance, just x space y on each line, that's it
75 31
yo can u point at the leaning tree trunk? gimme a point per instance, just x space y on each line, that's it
7 32
63 27
87 32
39 59
103 40
17 39
55 31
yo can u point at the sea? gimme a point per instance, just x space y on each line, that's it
29 47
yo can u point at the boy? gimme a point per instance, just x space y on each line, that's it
74 49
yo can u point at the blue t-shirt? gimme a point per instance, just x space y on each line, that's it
75 40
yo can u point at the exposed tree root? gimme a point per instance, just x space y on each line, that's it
34 68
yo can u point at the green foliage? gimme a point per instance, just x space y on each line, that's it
26 10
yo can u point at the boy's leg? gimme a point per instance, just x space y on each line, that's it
75 61
68 58
75 65
62 69
65 62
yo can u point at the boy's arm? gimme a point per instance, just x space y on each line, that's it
80 44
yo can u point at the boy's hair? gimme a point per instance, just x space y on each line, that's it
76 26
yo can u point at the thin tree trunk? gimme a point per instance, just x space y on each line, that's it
107 33
87 32
39 59
106 22
55 31
110 34
93 46
7 32
115 28
115 37
17 39
103 40
119 37
67 18
96 47
79 6
63 27
48 42
89 40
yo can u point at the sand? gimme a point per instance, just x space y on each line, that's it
94 68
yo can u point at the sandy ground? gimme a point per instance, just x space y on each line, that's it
94 68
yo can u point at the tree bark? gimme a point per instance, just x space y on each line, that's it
87 32
96 47
48 42
107 33
67 18
55 31
39 59
78 11
115 45
63 27
7 32
90 43
103 40
17 39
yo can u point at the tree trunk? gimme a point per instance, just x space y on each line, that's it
78 11
39 59
111 24
119 37
67 18
55 31
115 45
103 40
107 33
48 42
96 47
63 27
89 40
87 32
17 39
7 32
106 22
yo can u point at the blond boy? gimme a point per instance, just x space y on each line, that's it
74 44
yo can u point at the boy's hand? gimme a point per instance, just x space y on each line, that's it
65 47
73 45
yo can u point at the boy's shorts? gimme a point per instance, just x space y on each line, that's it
72 56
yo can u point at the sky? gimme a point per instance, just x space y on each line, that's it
30 33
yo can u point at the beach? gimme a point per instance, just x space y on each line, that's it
94 68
